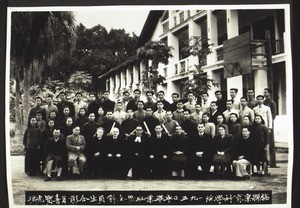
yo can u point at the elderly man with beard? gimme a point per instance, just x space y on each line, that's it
116 159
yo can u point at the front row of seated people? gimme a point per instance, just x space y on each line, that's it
144 155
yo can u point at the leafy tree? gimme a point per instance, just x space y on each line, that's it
35 38
98 51
157 52
80 80
200 47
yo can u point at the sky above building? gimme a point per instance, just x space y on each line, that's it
130 20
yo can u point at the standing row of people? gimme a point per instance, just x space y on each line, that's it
108 115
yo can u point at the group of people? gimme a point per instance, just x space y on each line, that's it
150 139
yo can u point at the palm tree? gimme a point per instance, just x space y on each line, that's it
35 38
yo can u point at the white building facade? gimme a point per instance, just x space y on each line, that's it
176 27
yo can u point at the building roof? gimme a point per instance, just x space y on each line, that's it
149 26
145 36
130 60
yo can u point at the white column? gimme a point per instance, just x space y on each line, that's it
217 79
135 76
142 68
122 79
171 19
173 41
260 83
212 34
276 30
117 82
171 88
233 31
111 84
194 30
232 23
276 27
128 77
281 102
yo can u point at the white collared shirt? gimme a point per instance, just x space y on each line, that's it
138 139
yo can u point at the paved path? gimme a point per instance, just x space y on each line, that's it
277 182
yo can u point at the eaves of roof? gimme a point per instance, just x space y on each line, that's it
145 36
130 60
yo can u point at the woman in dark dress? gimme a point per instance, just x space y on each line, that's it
53 116
261 141
100 118
66 114
67 128
32 143
223 146
247 123
220 120
234 127
81 118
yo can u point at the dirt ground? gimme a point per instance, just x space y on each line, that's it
276 182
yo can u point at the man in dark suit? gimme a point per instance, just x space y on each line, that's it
107 103
75 145
221 102
175 99
214 112
161 97
188 126
271 103
93 106
88 131
133 104
109 123
64 103
149 122
55 147
201 153
150 102
180 146
37 108
159 154
138 149
129 124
